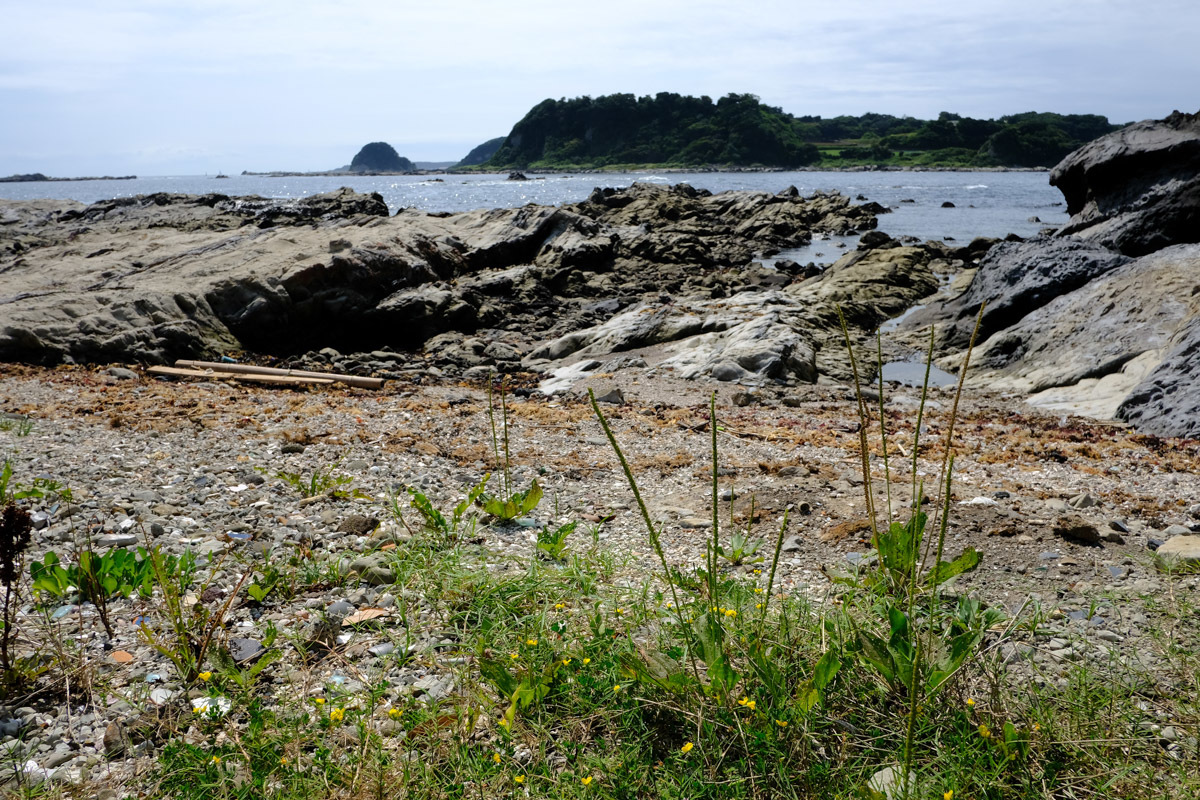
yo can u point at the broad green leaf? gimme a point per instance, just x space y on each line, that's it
944 571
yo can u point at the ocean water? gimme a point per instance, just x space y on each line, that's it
985 203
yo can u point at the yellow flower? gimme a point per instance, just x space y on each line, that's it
586 781
587 661
758 572
948 795
750 705
687 747
205 676
559 606
394 713
758 605
519 778
496 758
617 688
336 715
781 723
216 759
283 761
566 661
971 701
743 701
620 611
503 722
731 612
984 732
531 642
1036 727
513 656
319 701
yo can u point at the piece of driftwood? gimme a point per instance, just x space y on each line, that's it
349 380
212 374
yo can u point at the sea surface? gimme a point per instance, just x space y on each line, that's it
985 203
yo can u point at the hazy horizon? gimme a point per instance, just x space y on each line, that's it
136 87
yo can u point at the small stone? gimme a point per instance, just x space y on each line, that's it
117 540
339 609
1077 529
358 525
1176 530
434 687
1113 537
382 649
1083 500
725 495
1153 544
726 371
121 373
694 522
1118 525
243 650
292 448
1110 636
888 783
1179 552
610 394
116 741
378 576
792 544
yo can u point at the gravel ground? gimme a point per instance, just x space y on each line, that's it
1065 511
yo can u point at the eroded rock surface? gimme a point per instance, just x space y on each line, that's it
160 277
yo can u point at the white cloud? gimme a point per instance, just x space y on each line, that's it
137 80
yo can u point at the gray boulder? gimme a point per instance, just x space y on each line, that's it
1137 189
1015 279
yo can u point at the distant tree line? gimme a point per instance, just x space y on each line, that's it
738 130
665 129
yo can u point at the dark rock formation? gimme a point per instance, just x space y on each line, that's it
380 157
159 277
1104 315
1014 279
1138 189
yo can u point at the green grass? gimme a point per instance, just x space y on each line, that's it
571 682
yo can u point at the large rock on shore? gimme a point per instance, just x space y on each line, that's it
1138 189
1102 317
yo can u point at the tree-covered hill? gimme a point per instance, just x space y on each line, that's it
738 130
481 153
380 157
667 129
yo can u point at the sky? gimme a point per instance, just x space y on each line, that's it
190 87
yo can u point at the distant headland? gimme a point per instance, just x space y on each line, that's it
35 177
